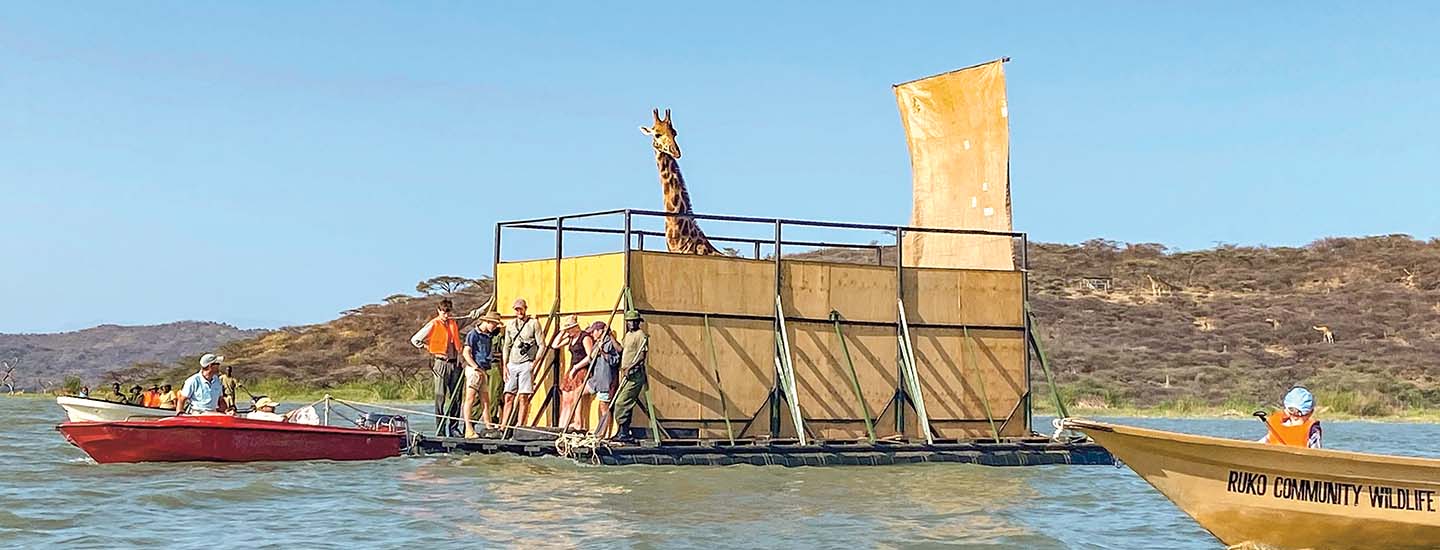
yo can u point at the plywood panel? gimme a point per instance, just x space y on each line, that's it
969 297
805 288
682 380
591 283
824 379
677 282
533 280
863 293
992 298
951 376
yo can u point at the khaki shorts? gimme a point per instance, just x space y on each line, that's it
475 378
518 378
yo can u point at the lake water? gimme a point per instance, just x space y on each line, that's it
52 495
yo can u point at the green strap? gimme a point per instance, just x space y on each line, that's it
984 395
715 366
854 379
1045 364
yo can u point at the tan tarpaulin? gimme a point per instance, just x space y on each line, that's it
956 125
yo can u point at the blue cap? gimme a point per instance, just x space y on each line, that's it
1300 399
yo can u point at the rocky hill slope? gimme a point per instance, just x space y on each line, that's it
42 360
1124 324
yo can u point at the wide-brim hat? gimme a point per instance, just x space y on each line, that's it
211 359
491 316
571 322
266 402
632 315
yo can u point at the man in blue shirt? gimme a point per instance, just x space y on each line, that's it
477 356
203 392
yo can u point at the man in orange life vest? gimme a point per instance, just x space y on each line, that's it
441 337
1296 426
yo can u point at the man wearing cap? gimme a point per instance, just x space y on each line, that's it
634 348
441 337
477 370
1295 425
202 392
521 345
265 410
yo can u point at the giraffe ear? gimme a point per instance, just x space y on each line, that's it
647 131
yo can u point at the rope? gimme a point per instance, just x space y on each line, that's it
570 445
352 404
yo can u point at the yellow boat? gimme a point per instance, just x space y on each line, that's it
1252 495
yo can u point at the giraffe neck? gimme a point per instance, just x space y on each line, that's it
682 234
672 182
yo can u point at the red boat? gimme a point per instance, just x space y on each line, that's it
224 438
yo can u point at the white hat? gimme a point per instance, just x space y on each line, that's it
210 359
266 402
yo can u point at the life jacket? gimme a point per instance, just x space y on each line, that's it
150 398
1297 435
444 338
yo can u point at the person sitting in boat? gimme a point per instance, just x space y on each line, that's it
151 397
116 394
167 397
202 392
84 392
135 397
265 410
1295 425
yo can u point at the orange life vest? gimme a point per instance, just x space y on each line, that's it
150 399
1297 435
443 337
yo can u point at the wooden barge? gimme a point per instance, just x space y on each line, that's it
779 359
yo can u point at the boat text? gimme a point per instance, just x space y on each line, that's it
1336 493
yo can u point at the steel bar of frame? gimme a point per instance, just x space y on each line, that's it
788 372
775 387
715 366
837 225
854 378
901 396
908 350
980 377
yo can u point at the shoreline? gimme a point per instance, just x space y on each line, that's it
1421 416
377 395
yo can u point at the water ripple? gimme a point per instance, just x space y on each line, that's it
53 495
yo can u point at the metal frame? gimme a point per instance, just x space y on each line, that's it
634 239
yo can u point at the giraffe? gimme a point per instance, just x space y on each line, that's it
682 234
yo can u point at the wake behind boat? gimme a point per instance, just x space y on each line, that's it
224 438
84 409
1256 495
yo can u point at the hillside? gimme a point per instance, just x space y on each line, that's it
44 359
1200 334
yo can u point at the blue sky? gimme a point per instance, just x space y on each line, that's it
274 163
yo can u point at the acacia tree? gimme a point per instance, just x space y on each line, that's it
8 379
444 284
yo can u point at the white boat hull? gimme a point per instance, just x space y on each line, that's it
79 409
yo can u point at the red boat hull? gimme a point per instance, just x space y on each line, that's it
221 438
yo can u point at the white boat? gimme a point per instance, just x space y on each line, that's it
82 409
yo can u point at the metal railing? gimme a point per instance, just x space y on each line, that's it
634 240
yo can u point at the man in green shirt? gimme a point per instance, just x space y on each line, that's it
634 349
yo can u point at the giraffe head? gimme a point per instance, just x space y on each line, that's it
662 134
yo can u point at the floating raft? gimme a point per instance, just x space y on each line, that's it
1029 451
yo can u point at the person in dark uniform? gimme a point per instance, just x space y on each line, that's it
634 349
